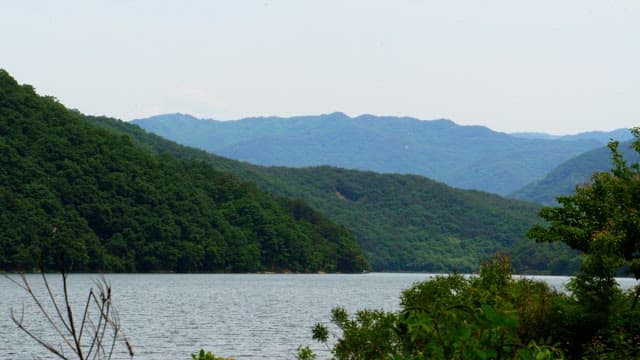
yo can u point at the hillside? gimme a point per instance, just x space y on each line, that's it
402 222
576 171
112 206
602 137
468 157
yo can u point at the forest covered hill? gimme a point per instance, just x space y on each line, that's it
564 178
468 157
109 205
402 222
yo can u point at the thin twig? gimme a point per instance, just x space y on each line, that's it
53 299
43 343
101 327
84 313
75 336
43 311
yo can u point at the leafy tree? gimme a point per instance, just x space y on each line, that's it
602 219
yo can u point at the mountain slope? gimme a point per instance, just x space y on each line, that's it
111 206
468 157
402 222
602 137
576 171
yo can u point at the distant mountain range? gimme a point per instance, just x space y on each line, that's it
467 157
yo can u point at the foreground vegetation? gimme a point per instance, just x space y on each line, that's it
116 207
494 316
490 316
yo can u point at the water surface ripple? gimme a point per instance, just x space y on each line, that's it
244 316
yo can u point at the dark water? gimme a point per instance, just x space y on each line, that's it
170 316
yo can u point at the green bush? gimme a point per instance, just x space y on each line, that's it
490 316
206 356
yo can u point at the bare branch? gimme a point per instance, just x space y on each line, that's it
99 330
27 287
74 335
46 345
53 298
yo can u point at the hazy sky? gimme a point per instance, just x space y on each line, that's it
551 66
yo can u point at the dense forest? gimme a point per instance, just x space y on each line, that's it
402 222
70 189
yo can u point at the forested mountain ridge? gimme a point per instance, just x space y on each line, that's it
468 157
563 179
402 222
112 206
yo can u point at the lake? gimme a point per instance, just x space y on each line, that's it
244 316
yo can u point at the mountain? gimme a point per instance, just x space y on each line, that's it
74 192
563 179
402 222
468 157
602 137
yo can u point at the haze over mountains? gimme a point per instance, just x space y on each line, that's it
467 157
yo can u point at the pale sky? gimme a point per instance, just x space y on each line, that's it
550 66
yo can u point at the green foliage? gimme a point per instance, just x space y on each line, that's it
491 316
117 207
602 219
585 329
366 336
401 222
206 356
305 353
320 333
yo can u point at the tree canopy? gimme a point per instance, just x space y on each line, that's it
116 207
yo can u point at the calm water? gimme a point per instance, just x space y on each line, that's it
169 316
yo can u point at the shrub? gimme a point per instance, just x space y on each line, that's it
454 317
202 355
